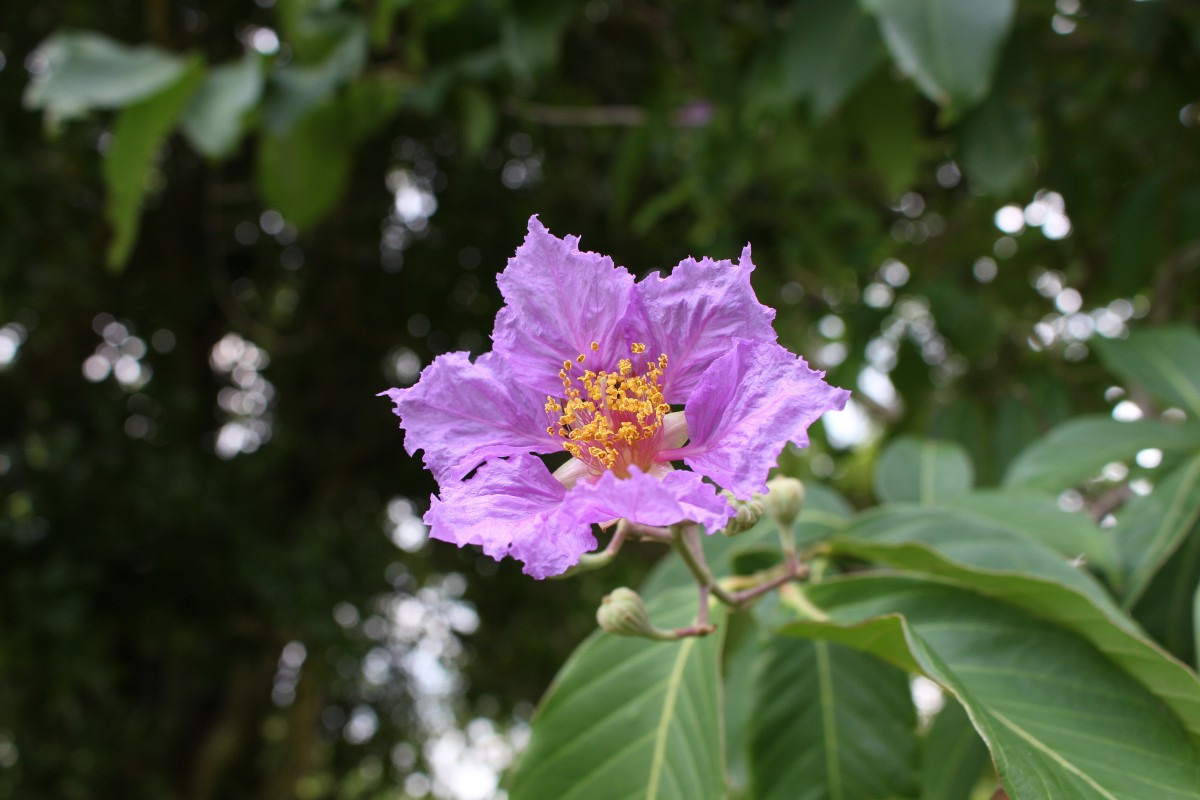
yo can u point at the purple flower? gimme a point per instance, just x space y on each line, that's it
589 362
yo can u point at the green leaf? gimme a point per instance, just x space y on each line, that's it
478 119
1150 528
1038 517
1167 607
922 471
996 144
831 722
832 48
86 71
530 33
948 47
298 89
1077 450
138 134
1139 233
303 172
1060 719
743 648
954 757
212 121
998 563
631 718
883 114
1166 361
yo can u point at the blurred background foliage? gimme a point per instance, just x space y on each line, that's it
225 226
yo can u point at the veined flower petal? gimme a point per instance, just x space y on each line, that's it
750 403
694 314
649 499
558 301
461 413
510 508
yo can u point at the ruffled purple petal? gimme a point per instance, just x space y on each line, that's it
509 508
678 496
694 314
461 413
750 403
558 301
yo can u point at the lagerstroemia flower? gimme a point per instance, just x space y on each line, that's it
590 363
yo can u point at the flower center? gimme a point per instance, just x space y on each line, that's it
611 420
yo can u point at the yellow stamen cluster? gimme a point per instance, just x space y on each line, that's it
604 415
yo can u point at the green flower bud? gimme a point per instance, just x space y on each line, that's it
622 612
748 514
783 501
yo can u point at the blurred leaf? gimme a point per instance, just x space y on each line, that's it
1077 450
954 756
948 47
530 32
1150 528
832 47
212 121
302 172
1166 608
86 71
1000 564
743 648
922 471
830 721
996 144
1166 361
631 716
297 89
478 119
1015 428
1139 238
1038 517
1060 719
138 134
883 114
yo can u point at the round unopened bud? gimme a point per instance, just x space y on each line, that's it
748 514
623 612
783 501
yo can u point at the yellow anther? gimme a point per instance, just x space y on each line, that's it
595 346
637 347
580 358
566 366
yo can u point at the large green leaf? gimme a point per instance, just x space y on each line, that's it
953 755
744 641
1079 449
948 47
831 722
994 561
832 48
139 132
1060 719
1164 360
630 718
212 121
1150 528
86 71
922 471
1038 517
